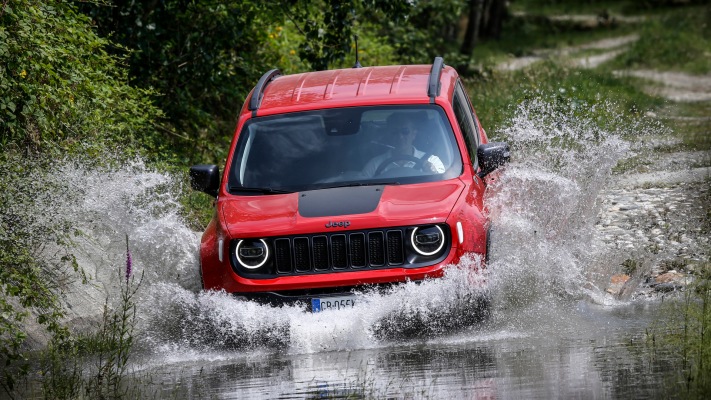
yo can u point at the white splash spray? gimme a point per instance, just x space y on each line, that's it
545 204
543 207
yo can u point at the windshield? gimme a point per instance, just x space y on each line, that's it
344 147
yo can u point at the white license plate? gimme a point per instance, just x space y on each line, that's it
332 303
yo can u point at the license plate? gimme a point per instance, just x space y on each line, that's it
332 303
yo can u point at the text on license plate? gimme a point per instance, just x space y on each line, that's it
332 303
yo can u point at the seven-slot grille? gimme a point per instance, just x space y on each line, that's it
339 251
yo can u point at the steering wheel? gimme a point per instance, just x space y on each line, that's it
419 162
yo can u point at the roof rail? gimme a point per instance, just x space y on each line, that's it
258 93
434 84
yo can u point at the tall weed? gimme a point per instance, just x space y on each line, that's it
95 365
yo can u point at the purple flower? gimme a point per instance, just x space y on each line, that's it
129 262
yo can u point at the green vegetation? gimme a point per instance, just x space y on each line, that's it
28 282
582 93
203 58
61 90
164 81
94 365
684 327
61 94
686 330
679 40
692 123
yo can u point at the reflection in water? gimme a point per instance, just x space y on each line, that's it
607 358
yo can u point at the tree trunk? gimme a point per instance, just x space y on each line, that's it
495 19
470 35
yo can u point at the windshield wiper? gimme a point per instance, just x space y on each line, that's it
264 190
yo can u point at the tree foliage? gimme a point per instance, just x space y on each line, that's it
203 57
329 26
58 84
484 19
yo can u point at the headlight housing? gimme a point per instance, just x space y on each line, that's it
427 240
252 254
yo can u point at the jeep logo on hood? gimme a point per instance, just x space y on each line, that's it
338 224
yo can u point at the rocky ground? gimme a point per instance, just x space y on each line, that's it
661 224
661 210
658 213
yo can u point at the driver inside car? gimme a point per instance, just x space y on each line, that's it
402 130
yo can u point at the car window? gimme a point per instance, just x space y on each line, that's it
465 119
347 146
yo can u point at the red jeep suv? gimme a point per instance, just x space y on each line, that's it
344 179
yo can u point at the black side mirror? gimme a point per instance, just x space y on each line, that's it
205 178
491 156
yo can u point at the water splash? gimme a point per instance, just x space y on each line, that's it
545 204
216 320
90 210
543 207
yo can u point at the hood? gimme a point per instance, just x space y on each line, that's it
352 208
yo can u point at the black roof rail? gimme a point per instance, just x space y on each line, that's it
258 93
434 84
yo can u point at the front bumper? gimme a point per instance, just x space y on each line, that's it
221 276
304 297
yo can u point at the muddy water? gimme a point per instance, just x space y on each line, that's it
554 331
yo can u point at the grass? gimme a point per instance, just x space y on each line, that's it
685 328
583 93
595 7
95 364
540 36
692 122
678 40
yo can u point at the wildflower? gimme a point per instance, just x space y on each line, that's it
271 36
23 74
129 262
292 52
279 28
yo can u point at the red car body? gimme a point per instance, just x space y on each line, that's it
311 240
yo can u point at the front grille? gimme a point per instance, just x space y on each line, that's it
339 252
302 258
342 251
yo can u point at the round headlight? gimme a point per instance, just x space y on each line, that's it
252 253
427 240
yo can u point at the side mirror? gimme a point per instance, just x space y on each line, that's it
491 156
205 178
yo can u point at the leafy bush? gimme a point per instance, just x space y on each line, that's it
60 88
61 93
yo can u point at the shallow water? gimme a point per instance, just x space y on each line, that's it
576 350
